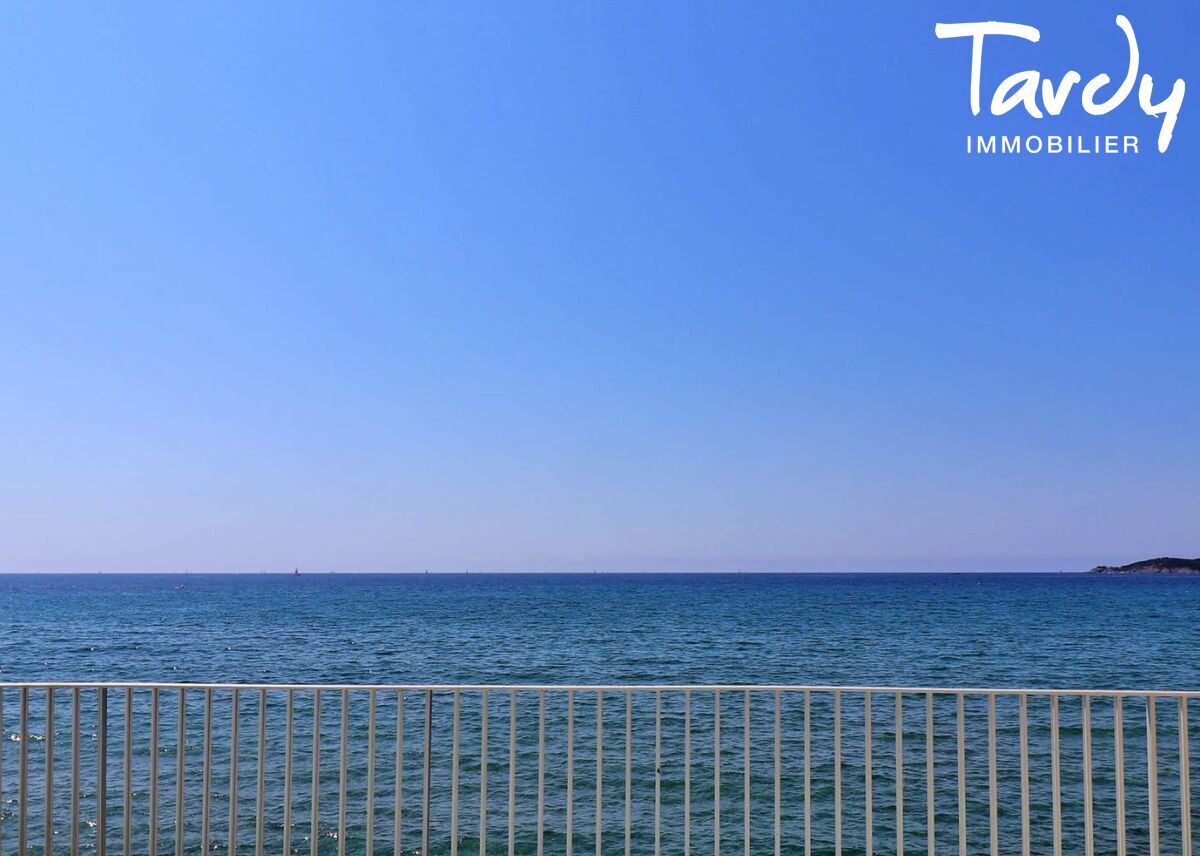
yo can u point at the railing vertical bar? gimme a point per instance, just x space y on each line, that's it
807 773
426 782
628 771
1088 815
1119 770
899 774
152 844
717 773
837 773
343 771
541 774
868 807
657 774
1185 778
746 773
778 771
3 740
372 705
398 796
314 820
234 728
930 801
49 759
76 780
206 784
1152 773
687 772
570 807
993 795
599 770
454 755
181 770
23 773
101 771
1055 776
484 714
1023 713
455 750
127 776
962 775
260 789
288 726
512 773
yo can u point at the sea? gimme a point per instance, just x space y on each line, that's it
984 630
1040 631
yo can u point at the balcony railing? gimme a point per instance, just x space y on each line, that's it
203 768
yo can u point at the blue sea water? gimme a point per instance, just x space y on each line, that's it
990 630
1002 630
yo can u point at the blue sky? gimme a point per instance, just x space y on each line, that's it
619 286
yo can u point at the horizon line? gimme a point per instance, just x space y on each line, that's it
521 573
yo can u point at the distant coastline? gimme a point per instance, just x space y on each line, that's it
1161 565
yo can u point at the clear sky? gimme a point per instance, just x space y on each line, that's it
574 286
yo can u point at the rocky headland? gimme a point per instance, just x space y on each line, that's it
1161 565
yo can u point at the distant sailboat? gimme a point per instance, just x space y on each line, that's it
296 572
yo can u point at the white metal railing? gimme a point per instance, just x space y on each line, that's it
620 769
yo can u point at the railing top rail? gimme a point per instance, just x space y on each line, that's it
701 688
